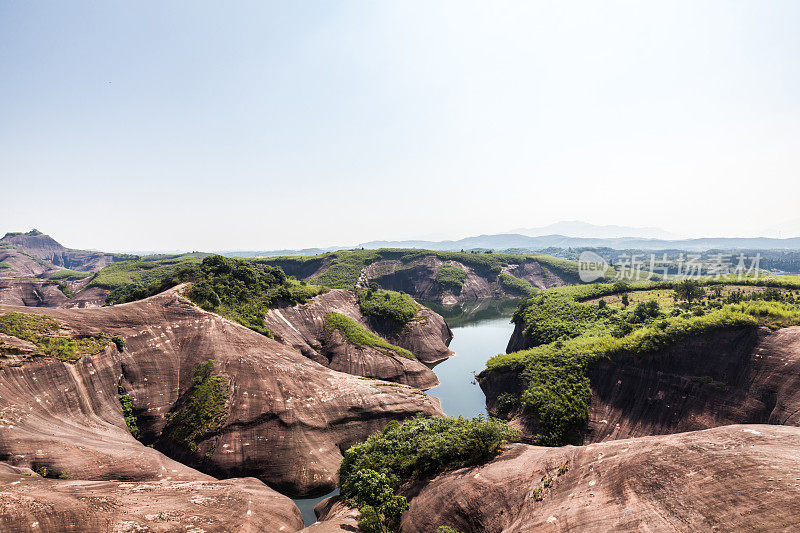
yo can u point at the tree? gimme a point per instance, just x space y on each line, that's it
689 290
625 299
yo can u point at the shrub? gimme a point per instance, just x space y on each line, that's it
127 412
358 335
203 409
119 342
515 285
373 471
450 277
398 307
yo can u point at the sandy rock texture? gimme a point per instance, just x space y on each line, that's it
288 417
302 328
732 478
31 503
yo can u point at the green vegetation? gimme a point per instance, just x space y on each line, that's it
446 529
373 471
63 287
451 277
202 411
345 266
134 280
127 412
398 307
234 288
515 285
45 333
358 335
4 264
119 342
568 336
69 275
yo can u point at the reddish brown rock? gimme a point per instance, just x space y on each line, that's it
334 517
732 478
288 417
737 376
32 503
302 328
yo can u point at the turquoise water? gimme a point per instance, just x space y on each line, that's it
479 332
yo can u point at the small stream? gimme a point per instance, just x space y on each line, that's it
480 331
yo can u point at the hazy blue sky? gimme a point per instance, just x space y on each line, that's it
194 125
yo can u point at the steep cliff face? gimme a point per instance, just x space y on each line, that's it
732 478
724 377
287 418
418 278
302 327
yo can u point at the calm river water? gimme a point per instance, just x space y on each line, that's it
479 332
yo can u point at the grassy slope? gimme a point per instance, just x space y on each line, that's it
358 335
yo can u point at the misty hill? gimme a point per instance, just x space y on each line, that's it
524 242
577 228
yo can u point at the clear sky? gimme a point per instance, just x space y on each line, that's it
260 125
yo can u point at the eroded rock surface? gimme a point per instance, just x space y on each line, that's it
735 376
732 478
288 417
32 503
302 327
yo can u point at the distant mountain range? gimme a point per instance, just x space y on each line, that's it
507 241
577 228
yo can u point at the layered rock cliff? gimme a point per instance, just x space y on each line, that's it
732 376
302 327
286 419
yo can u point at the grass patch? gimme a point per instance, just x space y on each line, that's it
398 307
45 333
358 335
373 471
203 409
69 275
515 285
4 265
451 277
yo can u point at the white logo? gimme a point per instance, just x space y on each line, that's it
591 266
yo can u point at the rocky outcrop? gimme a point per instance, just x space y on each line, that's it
40 292
733 478
334 517
725 377
32 503
736 376
45 248
288 417
302 328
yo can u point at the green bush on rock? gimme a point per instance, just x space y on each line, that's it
414 449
